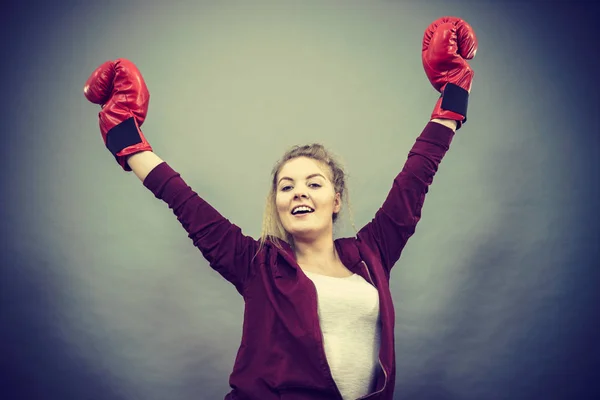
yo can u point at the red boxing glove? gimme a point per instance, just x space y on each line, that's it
119 88
447 43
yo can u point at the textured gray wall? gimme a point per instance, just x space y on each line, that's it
102 295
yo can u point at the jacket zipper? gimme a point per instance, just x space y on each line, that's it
378 359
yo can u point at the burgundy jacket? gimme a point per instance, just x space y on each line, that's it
281 355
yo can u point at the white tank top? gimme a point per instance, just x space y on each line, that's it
349 318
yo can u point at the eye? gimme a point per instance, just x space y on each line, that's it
314 185
285 188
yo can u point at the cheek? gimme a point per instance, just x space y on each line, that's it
280 203
326 201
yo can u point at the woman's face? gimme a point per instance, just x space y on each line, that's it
306 182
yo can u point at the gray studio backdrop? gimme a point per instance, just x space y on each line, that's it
103 296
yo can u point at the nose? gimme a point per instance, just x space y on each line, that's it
299 193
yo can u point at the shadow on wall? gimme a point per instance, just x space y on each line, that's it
519 325
36 361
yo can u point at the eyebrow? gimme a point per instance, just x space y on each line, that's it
308 177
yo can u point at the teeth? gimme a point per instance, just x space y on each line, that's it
301 208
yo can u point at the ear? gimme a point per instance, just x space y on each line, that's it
337 203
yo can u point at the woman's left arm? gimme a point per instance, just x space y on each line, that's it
447 44
396 220
446 122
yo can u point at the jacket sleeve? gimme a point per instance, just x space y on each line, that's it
396 220
228 251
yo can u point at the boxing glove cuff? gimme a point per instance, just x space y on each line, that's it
122 136
455 99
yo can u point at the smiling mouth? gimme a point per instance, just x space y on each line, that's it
302 210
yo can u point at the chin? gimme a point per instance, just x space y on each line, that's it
298 232
305 231
306 234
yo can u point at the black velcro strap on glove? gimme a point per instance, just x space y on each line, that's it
455 99
122 136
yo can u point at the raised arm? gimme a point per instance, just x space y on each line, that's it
447 44
143 163
119 88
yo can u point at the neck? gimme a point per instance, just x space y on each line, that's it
319 252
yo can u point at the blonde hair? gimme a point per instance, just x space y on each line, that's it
272 229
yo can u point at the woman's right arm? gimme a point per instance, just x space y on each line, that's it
222 243
119 88
142 163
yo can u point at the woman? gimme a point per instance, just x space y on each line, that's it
319 318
